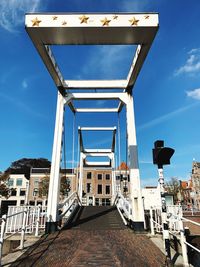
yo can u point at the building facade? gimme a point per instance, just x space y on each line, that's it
39 177
195 184
97 186
18 194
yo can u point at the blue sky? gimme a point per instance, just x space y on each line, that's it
167 92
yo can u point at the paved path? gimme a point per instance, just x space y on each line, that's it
102 248
96 237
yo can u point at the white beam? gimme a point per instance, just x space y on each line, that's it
96 110
97 128
98 154
99 163
96 96
97 151
137 63
95 84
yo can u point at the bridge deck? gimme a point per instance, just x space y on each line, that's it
109 246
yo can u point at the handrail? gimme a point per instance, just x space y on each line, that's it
123 204
187 220
69 203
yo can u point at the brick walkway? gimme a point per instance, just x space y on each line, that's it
102 248
95 237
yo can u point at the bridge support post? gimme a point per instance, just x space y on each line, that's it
54 183
113 178
80 183
137 221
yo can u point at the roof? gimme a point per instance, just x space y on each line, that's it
123 166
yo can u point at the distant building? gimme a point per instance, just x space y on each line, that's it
37 175
97 186
195 184
18 185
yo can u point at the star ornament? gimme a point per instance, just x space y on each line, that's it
134 21
83 19
36 22
105 22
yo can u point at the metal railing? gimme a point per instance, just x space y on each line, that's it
21 220
68 206
124 207
175 221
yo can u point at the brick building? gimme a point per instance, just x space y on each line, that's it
195 180
37 175
97 186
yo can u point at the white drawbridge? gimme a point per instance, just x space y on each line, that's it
137 29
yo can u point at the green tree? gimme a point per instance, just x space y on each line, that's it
24 165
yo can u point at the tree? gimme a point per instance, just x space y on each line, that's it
24 165
4 188
44 186
173 187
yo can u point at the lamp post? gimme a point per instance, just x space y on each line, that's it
161 156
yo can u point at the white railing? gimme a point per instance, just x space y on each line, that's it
123 206
67 207
36 218
175 223
21 220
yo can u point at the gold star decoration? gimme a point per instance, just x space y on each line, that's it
134 21
64 22
146 17
36 22
54 17
83 19
105 22
115 17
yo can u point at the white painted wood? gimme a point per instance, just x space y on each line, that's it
54 184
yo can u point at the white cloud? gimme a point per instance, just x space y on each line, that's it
192 64
194 94
12 12
165 117
24 84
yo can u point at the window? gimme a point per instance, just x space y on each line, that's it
107 176
32 203
89 175
35 192
99 176
10 182
99 189
107 189
19 182
22 192
21 202
13 192
88 187
36 182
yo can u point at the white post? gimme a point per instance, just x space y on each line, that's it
80 185
27 192
3 228
135 189
38 221
23 228
183 240
151 222
54 184
113 178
